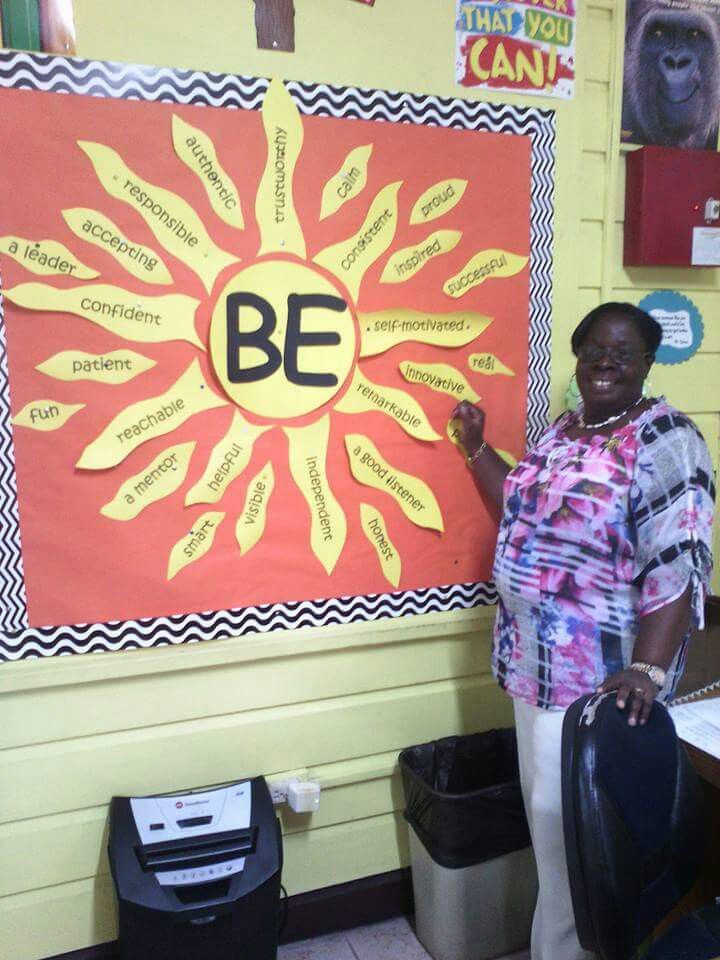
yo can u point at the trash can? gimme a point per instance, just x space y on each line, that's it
473 870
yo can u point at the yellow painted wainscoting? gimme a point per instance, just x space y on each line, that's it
335 705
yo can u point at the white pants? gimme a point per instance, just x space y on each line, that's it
539 734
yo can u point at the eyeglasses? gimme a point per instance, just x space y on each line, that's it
622 356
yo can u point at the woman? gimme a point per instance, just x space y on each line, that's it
602 563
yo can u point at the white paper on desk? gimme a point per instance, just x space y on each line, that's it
699 724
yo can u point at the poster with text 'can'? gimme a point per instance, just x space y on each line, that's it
523 46
238 315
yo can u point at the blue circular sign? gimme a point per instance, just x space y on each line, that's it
681 322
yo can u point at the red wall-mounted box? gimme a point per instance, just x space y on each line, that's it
665 194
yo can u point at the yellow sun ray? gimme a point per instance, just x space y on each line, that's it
382 331
171 219
407 263
413 495
438 200
250 525
350 259
46 258
119 366
486 265
197 152
375 529
280 230
348 183
129 315
365 395
161 477
440 377
140 261
45 415
308 458
150 418
453 434
227 461
195 544
488 364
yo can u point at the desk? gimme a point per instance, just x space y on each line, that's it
707 767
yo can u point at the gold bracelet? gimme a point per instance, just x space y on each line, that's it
481 449
652 670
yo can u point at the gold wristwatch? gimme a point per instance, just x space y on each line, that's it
656 673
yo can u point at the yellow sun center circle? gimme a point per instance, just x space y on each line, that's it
282 339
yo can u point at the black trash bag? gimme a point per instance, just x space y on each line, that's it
462 797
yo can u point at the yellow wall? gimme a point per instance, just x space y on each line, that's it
337 703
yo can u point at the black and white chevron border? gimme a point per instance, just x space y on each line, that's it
42 72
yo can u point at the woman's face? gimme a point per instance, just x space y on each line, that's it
612 364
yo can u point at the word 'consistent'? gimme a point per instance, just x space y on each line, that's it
365 239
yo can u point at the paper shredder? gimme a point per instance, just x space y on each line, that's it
197 873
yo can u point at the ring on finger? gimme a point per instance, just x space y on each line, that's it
639 691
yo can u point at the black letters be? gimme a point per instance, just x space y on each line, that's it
294 338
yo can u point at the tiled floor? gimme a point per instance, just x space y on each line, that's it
390 940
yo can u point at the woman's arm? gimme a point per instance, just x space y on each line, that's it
658 639
488 469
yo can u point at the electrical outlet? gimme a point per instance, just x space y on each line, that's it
278 791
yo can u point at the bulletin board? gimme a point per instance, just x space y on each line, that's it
237 315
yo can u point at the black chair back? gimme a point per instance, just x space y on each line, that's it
634 823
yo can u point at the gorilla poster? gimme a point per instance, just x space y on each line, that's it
671 88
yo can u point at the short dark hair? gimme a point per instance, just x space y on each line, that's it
649 329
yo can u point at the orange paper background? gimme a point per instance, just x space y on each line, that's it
82 567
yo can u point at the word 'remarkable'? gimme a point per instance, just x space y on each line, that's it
365 395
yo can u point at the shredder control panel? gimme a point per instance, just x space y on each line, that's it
195 814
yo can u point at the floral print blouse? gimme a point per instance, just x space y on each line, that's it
596 533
